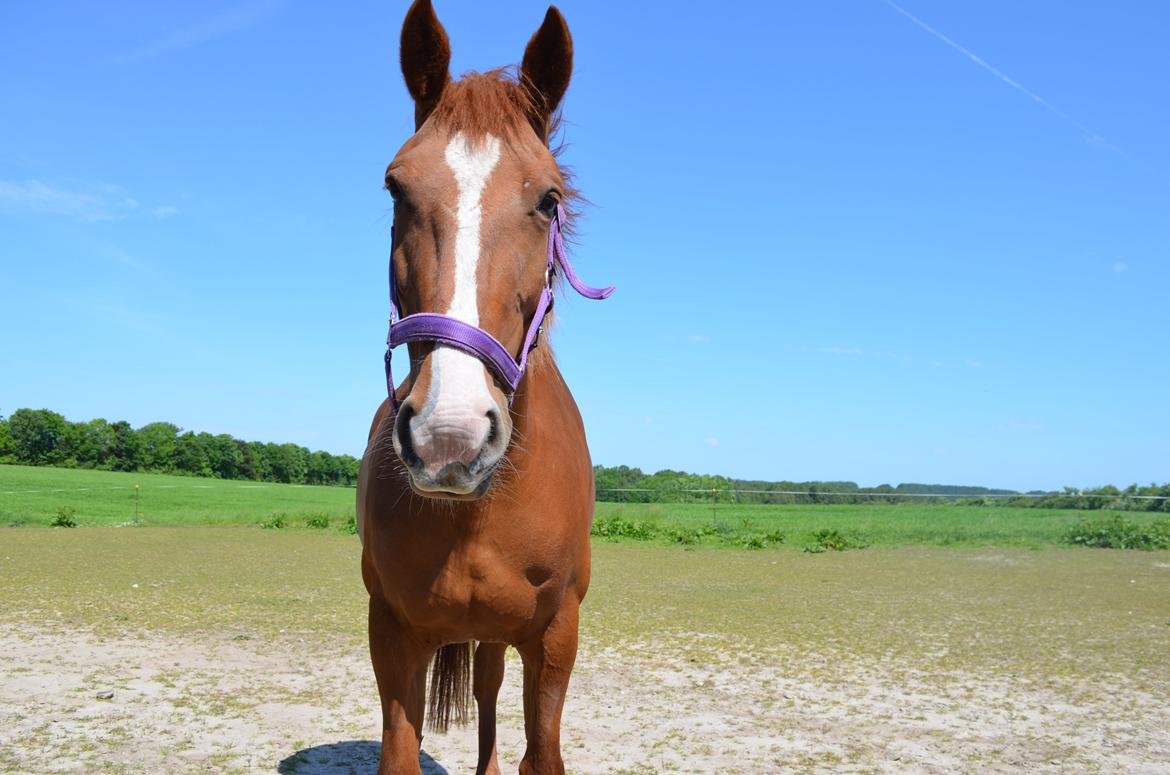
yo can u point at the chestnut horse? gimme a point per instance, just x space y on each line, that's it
475 497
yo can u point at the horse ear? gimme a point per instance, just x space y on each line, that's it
547 66
425 54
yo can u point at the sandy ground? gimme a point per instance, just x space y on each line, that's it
228 703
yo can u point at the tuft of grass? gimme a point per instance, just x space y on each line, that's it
349 527
274 522
317 521
65 517
831 539
1117 532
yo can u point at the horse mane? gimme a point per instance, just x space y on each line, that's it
481 103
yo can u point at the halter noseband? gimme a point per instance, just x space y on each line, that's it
449 331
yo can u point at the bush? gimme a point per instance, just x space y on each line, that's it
1118 532
831 540
65 518
275 522
318 521
349 526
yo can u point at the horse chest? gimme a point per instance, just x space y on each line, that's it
477 594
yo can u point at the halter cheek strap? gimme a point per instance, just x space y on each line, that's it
451 332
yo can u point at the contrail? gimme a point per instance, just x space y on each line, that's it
1090 135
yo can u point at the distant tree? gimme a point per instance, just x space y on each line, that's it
226 457
37 436
6 452
254 461
322 469
190 455
158 445
43 437
93 443
349 466
126 453
288 462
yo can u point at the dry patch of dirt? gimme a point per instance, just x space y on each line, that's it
231 704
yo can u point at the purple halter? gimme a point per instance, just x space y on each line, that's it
433 327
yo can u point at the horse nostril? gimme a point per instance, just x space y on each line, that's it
493 435
402 430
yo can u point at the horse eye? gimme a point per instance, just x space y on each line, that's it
394 189
548 204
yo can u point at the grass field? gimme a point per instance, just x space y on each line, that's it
232 650
34 495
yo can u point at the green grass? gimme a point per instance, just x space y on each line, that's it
35 496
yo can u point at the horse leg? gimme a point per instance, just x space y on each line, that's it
489 674
548 661
400 665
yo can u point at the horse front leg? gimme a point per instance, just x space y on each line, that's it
400 664
548 661
489 674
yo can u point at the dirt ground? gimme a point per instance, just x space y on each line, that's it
232 704
231 650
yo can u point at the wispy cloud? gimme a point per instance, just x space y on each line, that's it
1089 134
89 202
227 22
1119 267
86 203
699 338
711 441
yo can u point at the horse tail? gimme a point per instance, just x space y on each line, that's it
450 694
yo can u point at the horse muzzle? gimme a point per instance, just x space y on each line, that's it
452 453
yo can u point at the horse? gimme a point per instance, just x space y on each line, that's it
476 493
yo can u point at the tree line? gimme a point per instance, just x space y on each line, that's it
40 437
624 484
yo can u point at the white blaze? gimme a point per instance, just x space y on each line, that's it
472 166
458 402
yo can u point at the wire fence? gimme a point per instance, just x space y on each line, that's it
877 494
727 496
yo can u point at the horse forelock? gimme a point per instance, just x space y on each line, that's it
497 104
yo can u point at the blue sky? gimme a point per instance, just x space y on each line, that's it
927 242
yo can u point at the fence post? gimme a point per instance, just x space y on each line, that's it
714 492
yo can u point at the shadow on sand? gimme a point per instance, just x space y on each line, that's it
346 757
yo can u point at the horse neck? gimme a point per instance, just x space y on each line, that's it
534 409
